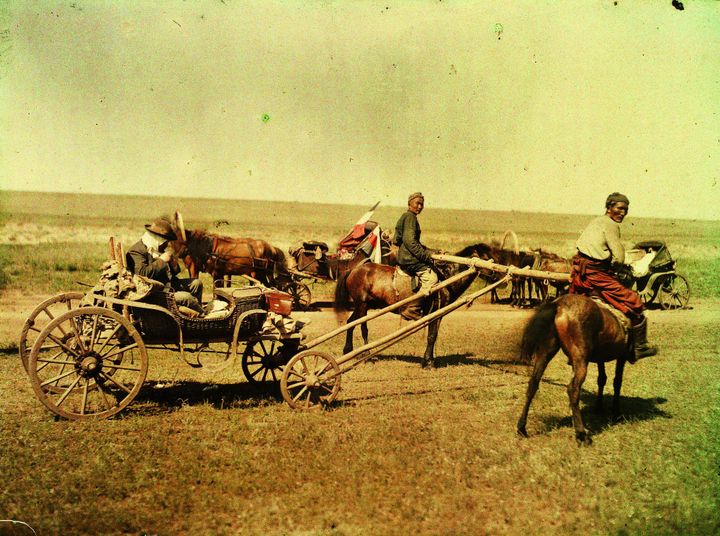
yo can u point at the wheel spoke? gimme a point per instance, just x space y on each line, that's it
328 389
101 390
68 390
257 371
94 332
109 337
265 372
300 393
84 397
121 386
78 338
57 378
294 385
274 377
120 350
63 345
121 367
50 361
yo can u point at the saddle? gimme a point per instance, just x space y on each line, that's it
404 283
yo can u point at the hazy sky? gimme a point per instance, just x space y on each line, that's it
505 105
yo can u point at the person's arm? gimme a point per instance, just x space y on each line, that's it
412 244
612 237
157 269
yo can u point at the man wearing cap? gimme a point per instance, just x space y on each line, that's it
599 251
152 257
412 256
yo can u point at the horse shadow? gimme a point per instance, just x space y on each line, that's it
598 420
157 397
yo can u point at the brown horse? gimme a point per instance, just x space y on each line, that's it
587 332
224 256
371 285
550 262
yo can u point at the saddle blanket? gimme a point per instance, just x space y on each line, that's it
619 315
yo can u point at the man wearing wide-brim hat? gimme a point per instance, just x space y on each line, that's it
152 257
413 257
594 270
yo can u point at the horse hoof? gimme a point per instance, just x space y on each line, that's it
522 432
428 364
583 439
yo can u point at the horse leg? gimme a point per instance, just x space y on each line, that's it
429 357
617 385
602 380
540 363
359 312
579 365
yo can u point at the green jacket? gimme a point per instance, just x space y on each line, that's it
412 256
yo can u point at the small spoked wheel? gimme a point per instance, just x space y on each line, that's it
311 379
263 360
88 364
43 314
300 292
674 292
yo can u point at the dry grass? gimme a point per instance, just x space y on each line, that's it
404 450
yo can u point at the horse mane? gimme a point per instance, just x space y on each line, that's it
199 243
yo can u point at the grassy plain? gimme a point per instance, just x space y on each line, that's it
404 450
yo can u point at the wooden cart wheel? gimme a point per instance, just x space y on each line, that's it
301 295
263 360
674 292
310 379
300 292
88 364
41 316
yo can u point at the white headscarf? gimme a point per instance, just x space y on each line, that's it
153 242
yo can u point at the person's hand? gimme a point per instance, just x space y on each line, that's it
167 255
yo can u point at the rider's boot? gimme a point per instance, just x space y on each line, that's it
412 311
642 348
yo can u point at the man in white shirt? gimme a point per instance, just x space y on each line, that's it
599 249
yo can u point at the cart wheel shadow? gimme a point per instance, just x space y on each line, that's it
440 362
162 397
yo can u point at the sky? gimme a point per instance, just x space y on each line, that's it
494 105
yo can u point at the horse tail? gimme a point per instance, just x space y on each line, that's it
538 330
342 296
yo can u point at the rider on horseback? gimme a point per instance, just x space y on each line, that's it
413 257
600 255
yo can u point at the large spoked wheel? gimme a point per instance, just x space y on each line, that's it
43 314
263 360
88 364
674 292
310 379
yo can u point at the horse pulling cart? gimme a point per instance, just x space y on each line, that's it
87 354
312 378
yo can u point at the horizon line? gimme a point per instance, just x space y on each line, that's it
167 196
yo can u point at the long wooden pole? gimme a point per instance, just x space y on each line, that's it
501 268
314 342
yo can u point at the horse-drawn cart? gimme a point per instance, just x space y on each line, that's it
654 277
87 355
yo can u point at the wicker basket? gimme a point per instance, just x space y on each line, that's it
158 327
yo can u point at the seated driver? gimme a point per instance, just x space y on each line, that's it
153 257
